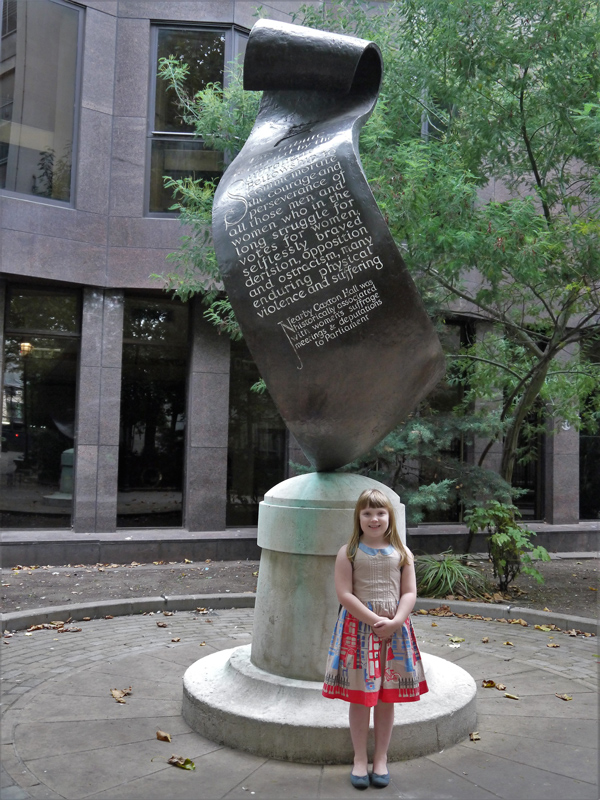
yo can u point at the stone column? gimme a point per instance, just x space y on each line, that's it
205 481
98 411
302 524
562 474
2 337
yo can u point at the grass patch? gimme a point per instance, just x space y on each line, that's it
447 573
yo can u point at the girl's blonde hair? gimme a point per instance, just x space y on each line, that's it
373 498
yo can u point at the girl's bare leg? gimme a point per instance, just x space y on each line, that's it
359 716
383 724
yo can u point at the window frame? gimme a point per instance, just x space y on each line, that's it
76 114
232 35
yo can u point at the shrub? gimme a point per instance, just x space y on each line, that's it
509 544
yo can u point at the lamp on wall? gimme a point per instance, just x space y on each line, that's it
25 348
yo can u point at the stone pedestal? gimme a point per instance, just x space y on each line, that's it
267 699
302 524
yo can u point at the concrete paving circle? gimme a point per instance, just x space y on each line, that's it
64 736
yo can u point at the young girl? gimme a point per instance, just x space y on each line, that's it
373 659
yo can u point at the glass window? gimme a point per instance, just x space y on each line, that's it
174 149
204 53
589 448
257 452
153 401
38 408
38 76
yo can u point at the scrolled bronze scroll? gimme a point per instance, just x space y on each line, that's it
327 307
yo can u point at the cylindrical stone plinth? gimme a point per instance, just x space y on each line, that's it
230 701
267 699
302 524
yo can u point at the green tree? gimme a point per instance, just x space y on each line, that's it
483 155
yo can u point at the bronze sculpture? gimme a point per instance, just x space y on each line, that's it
327 307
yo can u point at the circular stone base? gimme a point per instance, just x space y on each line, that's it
232 702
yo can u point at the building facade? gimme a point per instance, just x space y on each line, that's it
123 407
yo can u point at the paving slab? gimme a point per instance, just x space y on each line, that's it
510 778
66 737
544 729
39 740
215 776
430 778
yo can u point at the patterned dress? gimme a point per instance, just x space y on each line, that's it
360 667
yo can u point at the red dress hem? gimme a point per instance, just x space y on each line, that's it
371 699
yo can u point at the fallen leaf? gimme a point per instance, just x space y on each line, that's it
487 683
485 640
563 696
119 694
592 588
512 696
255 574
201 644
207 560
497 597
163 624
434 624
86 619
109 616
177 639
187 561
544 628
518 622
552 644
474 737
455 639
546 609
421 611
501 687
510 644
167 613
163 737
183 763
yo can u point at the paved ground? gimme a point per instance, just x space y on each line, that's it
570 582
64 736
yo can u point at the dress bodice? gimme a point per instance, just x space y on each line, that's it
376 578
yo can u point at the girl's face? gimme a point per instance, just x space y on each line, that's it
374 522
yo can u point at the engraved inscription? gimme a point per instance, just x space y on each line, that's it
299 236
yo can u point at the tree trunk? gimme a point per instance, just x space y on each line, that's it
524 406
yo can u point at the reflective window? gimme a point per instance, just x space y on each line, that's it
589 450
38 408
174 149
153 400
38 76
257 452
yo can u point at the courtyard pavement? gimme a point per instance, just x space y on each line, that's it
65 736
